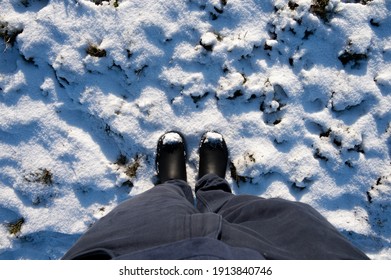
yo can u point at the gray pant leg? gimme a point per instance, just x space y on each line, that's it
161 215
276 228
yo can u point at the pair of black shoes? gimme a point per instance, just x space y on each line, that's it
171 156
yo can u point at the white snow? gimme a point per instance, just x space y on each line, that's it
209 39
171 137
213 137
303 101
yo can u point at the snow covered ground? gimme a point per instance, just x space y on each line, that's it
301 92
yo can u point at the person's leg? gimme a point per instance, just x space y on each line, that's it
277 228
212 190
140 222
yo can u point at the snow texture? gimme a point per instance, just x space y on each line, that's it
212 137
301 93
171 138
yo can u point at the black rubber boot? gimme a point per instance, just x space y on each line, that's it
171 157
213 155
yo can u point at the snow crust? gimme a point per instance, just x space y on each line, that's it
302 98
213 137
172 137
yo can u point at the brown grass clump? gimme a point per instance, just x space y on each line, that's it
93 50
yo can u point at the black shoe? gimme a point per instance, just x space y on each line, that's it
213 155
171 157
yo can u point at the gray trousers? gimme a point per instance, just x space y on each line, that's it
167 213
